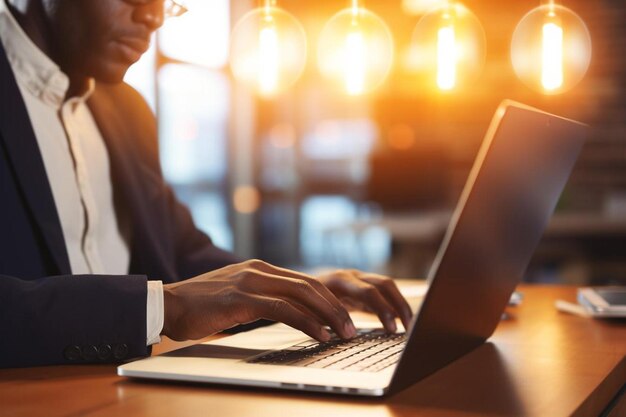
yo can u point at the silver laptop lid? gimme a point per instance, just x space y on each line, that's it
518 175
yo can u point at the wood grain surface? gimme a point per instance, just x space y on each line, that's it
539 363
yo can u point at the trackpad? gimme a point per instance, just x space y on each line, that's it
213 351
276 336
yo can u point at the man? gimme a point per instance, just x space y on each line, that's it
89 232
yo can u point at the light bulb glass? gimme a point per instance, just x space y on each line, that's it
268 50
355 51
551 49
448 47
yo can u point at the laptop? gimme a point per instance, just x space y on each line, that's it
519 173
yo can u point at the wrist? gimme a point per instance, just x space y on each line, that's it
170 311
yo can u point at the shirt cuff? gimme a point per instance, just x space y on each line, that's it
154 312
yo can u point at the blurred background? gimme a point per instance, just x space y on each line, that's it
317 178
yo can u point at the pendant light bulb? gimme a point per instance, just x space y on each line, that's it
551 49
448 47
355 50
268 50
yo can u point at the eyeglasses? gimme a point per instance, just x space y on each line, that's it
171 8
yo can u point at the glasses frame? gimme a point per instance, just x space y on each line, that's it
173 8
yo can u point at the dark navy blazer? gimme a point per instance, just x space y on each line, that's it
47 315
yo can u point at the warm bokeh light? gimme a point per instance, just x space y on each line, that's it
551 49
246 199
401 137
448 47
268 53
420 7
552 56
355 64
446 57
268 50
355 50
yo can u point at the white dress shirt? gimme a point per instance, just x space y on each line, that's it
77 165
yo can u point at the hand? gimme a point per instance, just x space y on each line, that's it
370 292
249 291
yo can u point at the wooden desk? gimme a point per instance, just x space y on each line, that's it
539 363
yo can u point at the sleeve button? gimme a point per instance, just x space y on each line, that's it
89 353
72 353
104 352
120 351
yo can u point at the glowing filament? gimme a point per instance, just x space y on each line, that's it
268 60
446 58
552 57
355 63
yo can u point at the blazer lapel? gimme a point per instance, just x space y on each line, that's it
135 186
21 146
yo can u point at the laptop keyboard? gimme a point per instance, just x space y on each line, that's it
370 351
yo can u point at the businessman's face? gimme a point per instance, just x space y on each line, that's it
100 38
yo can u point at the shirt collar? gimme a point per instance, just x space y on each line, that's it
32 67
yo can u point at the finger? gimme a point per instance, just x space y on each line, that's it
301 292
390 291
267 267
280 310
321 288
371 297
354 305
348 329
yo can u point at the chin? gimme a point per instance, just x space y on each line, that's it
110 74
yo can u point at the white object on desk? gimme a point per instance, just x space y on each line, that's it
572 308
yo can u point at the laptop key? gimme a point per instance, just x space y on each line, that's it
372 351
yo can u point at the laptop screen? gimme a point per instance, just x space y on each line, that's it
520 171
